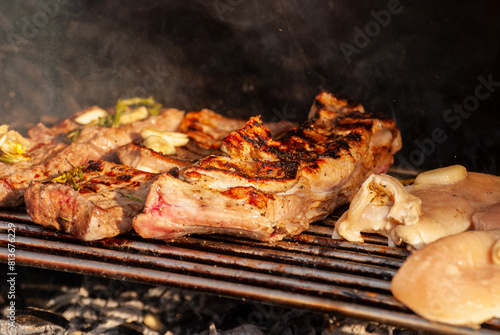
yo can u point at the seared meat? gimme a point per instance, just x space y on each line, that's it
176 208
108 197
268 189
92 143
144 159
100 143
168 119
208 128
37 154
42 134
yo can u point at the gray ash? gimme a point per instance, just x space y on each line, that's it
52 302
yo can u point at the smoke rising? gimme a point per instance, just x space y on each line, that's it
243 58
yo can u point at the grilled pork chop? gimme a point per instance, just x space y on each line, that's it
94 202
42 134
206 130
92 143
268 189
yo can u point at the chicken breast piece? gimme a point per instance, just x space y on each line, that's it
440 203
454 280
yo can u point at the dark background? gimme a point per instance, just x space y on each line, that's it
243 58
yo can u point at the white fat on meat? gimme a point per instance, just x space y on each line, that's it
441 202
464 286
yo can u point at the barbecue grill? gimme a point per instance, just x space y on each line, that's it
309 271
243 58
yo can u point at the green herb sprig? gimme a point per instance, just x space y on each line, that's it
71 177
130 196
153 106
10 158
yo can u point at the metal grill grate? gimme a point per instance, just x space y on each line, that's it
310 271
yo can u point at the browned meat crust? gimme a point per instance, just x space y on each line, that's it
144 159
52 156
208 128
268 189
110 195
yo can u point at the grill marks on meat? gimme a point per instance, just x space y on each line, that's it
51 156
175 208
95 143
208 128
268 189
144 159
110 196
247 183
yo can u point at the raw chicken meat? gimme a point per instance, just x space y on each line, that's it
454 280
441 202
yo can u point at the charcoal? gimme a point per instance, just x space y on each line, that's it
126 329
37 321
99 306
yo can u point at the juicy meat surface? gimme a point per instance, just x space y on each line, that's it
109 196
37 153
208 128
418 214
175 209
96 143
144 159
453 280
92 143
268 188
42 134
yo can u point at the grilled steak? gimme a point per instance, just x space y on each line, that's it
144 159
108 197
42 134
51 157
206 130
99 143
268 189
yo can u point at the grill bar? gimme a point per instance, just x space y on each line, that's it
309 271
